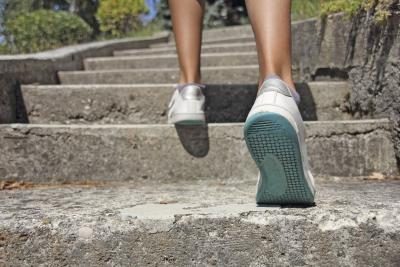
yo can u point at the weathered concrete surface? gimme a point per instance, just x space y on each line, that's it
169 61
239 74
199 223
8 101
212 48
57 153
132 104
375 78
42 67
237 31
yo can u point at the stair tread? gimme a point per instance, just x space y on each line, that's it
156 69
362 125
243 38
211 74
147 103
132 57
138 85
61 153
168 61
173 49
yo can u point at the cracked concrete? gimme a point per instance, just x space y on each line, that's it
202 222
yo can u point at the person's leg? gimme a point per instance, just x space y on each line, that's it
274 130
187 103
187 21
270 20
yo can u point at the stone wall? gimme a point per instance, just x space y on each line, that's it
43 67
357 49
375 71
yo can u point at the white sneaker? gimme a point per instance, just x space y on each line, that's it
187 105
275 135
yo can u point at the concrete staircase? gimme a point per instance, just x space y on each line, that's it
113 184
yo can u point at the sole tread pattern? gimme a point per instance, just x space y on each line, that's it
273 144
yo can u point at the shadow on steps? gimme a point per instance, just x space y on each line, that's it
232 103
194 139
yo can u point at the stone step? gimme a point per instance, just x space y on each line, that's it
61 153
147 103
231 31
220 40
169 61
212 75
245 30
198 223
213 48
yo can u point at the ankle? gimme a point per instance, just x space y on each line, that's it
286 78
289 83
185 79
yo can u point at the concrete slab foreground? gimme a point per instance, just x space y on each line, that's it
199 223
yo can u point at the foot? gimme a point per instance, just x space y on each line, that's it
187 105
275 135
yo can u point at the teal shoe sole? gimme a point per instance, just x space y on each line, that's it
273 144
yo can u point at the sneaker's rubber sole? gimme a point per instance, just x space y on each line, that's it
190 123
274 146
188 119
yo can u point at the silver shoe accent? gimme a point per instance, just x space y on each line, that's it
187 105
276 85
191 92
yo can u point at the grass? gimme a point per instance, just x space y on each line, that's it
145 31
304 9
380 9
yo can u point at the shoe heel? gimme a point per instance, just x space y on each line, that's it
190 112
274 146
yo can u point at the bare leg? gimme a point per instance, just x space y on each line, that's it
270 20
187 22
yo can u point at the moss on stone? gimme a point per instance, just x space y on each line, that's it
380 9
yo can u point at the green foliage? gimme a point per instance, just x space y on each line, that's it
302 9
13 8
86 9
44 29
119 18
380 9
350 7
4 49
